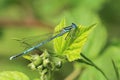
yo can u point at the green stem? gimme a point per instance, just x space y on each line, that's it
116 70
89 62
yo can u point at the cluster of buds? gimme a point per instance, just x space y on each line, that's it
45 64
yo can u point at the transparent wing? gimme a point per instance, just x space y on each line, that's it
35 40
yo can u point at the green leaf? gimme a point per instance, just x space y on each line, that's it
91 74
59 42
13 75
96 41
72 46
111 52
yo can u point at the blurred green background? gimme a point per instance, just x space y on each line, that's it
24 18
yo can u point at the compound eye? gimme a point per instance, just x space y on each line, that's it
74 25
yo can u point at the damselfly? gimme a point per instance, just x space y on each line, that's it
62 32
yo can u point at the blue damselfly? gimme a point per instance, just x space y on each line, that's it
62 32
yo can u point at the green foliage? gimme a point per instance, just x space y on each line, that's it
13 75
45 64
116 70
72 46
111 52
87 61
96 41
91 74
51 11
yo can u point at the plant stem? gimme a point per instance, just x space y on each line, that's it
89 62
116 70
